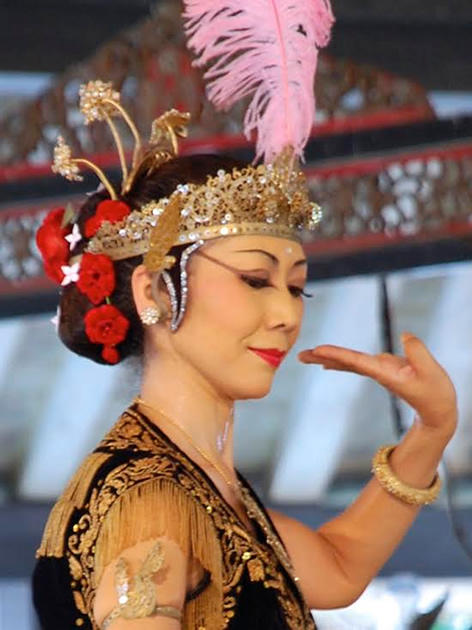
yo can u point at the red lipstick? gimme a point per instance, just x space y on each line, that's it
270 355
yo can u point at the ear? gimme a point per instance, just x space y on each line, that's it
141 285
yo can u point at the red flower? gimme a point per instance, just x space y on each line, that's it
97 277
110 354
108 326
52 245
108 210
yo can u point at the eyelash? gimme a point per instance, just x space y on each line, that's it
261 283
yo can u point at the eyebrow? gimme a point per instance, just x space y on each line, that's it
273 258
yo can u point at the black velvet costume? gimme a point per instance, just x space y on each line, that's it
248 581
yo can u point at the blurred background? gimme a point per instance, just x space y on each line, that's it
390 161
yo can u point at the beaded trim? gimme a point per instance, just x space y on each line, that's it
173 298
183 282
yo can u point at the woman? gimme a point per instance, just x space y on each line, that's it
157 529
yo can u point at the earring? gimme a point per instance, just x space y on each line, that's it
150 316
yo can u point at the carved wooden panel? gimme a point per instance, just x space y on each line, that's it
378 200
153 69
395 197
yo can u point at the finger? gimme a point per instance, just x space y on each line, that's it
347 359
332 366
417 353
328 349
325 364
320 357
330 352
387 369
306 356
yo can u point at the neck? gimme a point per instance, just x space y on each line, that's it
177 392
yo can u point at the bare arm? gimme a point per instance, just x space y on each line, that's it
154 592
337 562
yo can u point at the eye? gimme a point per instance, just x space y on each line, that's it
299 292
254 282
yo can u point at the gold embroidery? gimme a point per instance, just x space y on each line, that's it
273 540
161 471
256 570
137 597
73 497
79 602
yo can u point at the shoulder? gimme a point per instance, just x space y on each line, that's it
127 455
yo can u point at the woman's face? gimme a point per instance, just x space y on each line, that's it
244 312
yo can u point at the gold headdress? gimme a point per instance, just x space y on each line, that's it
266 51
266 199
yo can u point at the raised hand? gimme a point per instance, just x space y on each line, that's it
417 378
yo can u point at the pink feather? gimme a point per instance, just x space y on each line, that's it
266 49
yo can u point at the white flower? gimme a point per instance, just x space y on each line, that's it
71 274
74 237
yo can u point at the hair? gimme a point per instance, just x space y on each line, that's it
74 304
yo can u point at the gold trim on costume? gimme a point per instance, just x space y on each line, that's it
73 498
158 479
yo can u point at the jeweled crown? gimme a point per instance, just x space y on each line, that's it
267 199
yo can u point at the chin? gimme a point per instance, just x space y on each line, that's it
252 391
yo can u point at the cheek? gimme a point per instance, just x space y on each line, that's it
221 314
220 317
226 307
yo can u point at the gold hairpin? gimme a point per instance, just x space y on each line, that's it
169 127
99 101
270 199
163 235
67 166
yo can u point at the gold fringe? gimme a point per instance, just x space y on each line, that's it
78 487
73 497
52 543
160 507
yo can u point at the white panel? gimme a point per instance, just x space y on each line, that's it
13 333
15 605
323 405
10 336
451 103
450 340
62 439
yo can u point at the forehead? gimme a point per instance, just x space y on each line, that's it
284 249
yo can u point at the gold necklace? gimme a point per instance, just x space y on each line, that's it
189 438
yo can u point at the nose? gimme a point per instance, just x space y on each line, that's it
284 311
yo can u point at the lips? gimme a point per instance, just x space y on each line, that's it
273 356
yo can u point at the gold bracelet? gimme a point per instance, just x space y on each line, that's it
391 484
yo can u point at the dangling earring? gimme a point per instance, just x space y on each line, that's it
150 316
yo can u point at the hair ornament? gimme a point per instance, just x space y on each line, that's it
67 166
169 127
74 237
100 101
93 275
163 235
263 50
267 51
271 199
